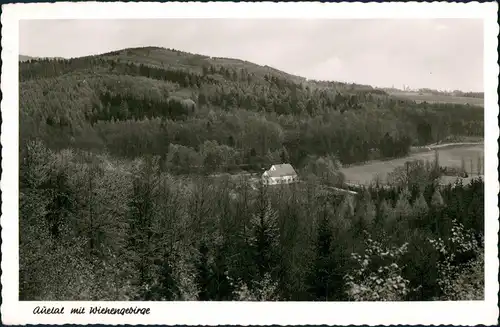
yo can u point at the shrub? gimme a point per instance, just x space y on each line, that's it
378 276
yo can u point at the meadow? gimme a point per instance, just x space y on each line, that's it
451 156
434 98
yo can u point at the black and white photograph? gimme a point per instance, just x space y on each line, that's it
249 160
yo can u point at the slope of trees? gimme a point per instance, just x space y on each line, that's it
142 101
116 204
110 230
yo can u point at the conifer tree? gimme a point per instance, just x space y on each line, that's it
326 277
437 200
385 214
265 236
419 212
402 209
365 214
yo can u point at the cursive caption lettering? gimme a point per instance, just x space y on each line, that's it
48 311
119 311
93 311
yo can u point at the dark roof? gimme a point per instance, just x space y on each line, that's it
282 170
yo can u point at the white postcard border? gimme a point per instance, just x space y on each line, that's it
245 313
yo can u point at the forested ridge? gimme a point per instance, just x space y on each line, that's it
121 196
152 100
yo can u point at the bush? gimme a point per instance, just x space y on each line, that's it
377 276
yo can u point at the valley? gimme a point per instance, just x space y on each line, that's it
140 180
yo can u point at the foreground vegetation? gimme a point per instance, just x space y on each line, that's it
92 228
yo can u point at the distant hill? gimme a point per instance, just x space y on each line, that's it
168 58
23 58
26 58
154 100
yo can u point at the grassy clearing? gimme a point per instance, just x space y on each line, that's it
450 156
432 98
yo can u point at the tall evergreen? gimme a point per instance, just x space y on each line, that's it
326 277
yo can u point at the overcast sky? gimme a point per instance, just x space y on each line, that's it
440 54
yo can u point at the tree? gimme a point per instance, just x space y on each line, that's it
365 214
420 264
165 287
402 212
377 277
61 204
415 174
326 277
461 255
479 166
420 211
263 290
468 284
91 206
204 274
327 169
346 208
141 216
437 200
264 239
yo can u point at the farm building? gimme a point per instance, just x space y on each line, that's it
279 174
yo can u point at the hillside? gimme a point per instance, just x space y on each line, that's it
124 193
23 58
221 113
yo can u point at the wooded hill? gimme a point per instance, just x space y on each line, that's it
221 113
96 227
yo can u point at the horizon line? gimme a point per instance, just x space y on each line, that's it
209 56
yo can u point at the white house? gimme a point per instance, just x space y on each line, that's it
279 174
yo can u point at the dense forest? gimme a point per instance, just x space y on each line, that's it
93 228
122 196
191 109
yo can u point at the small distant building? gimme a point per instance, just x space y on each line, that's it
280 174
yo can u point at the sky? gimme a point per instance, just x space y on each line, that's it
443 54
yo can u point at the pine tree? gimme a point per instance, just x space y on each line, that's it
403 207
479 166
365 214
124 110
440 221
420 211
221 287
265 235
326 276
387 216
437 200
346 208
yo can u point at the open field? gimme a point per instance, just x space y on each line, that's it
450 156
442 146
433 98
